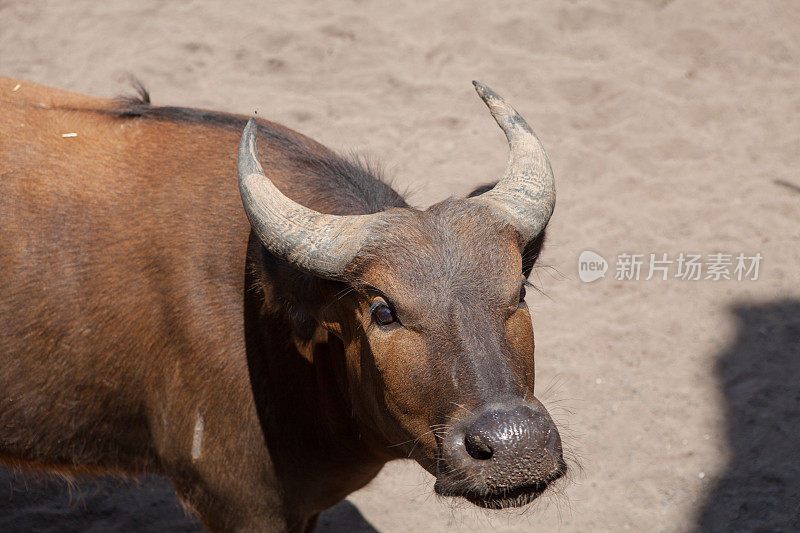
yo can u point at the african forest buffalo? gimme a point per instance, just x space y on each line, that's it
269 360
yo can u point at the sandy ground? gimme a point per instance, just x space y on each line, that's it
672 126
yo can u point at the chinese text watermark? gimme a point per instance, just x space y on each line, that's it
683 266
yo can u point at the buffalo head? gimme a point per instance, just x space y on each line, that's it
437 335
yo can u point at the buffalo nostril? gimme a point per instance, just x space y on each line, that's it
477 448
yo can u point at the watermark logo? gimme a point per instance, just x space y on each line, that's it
591 266
684 266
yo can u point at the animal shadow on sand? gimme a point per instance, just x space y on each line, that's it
759 376
48 505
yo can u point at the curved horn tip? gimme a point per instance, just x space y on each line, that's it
526 193
496 104
250 129
248 154
484 91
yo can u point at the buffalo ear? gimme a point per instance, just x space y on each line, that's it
532 249
482 189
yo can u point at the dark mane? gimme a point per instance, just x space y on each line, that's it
354 184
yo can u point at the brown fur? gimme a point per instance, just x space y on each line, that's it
135 297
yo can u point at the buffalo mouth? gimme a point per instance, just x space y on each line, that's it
506 499
503 498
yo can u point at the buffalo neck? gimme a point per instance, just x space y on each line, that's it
297 375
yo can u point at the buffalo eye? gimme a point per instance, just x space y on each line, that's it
383 314
522 294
